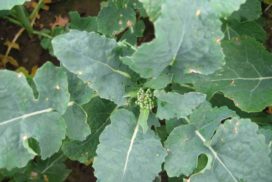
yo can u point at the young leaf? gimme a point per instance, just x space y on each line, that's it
159 82
99 111
112 20
243 84
189 41
91 58
173 105
88 24
125 153
24 117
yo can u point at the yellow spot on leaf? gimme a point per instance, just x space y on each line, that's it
194 71
25 137
198 12
57 87
218 40
129 24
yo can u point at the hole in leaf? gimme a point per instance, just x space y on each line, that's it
201 163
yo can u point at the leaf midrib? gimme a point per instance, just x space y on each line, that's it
132 140
243 78
28 115
215 154
124 74
25 116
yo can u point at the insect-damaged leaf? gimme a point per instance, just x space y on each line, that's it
235 152
91 57
124 149
188 35
243 153
153 8
112 20
24 117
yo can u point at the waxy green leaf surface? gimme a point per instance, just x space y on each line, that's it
172 105
24 117
91 57
240 154
99 111
246 78
235 150
125 153
188 35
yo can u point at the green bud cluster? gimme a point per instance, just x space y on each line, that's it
145 99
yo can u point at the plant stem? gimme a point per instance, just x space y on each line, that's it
42 34
36 10
14 21
17 35
32 17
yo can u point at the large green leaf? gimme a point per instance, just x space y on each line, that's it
188 35
99 111
236 152
8 4
245 78
125 153
24 117
173 105
91 57
239 154
183 144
